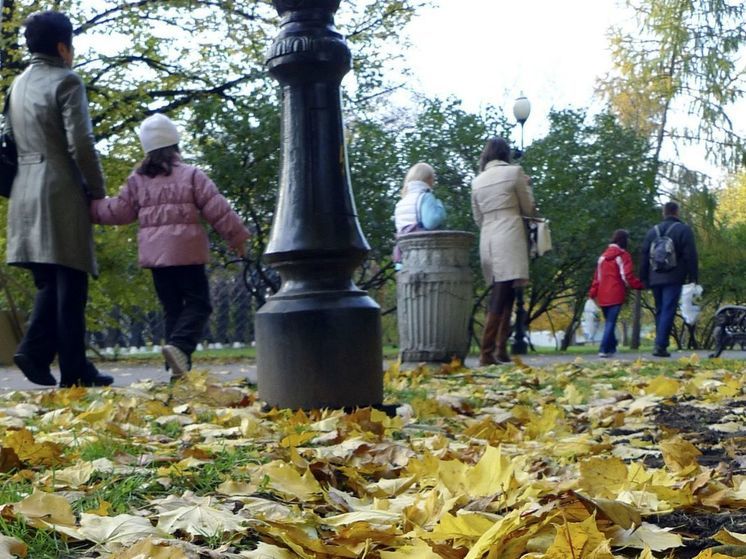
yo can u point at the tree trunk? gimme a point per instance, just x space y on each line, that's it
636 312
574 323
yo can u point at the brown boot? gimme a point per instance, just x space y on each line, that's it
503 333
489 336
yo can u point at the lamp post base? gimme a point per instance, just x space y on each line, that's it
320 351
519 347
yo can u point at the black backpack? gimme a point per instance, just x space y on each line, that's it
663 251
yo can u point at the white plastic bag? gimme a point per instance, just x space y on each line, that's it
690 294
591 319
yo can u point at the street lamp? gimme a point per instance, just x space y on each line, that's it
319 338
521 112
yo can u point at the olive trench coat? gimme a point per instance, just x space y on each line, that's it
500 198
58 168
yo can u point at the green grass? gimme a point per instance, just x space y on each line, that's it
123 493
107 447
42 544
227 355
219 355
226 464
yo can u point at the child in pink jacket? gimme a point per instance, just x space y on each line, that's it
169 198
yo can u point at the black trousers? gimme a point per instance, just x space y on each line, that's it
57 325
184 293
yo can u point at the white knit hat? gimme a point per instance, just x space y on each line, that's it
157 131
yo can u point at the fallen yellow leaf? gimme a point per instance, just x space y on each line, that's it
680 455
44 510
147 549
31 452
11 547
663 386
603 476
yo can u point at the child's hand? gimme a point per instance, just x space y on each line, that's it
240 250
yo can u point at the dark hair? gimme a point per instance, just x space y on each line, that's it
620 238
495 148
670 209
45 29
159 161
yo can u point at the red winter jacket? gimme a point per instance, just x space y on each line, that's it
613 276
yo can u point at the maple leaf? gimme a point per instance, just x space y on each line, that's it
269 551
148 549
45 510
418 549
196 516
73 476
622 514
680 455
581 540
113 531
727 537
8 459
647 535
496 537
603 476
31 452
663 386
285 479
11 547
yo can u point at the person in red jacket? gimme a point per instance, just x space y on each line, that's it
613 276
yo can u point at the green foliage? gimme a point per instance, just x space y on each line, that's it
201 62
681 54
590 177
439 132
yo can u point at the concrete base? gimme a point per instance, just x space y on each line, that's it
320 351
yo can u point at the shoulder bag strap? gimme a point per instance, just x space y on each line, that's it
418 208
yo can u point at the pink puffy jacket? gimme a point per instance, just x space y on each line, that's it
169 209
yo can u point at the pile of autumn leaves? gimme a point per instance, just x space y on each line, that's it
507 462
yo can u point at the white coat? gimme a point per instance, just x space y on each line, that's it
500 198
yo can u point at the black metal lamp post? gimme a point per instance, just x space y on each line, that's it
521 111
319 337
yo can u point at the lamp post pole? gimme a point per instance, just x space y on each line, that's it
319 337
521 111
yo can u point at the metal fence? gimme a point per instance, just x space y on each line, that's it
231 322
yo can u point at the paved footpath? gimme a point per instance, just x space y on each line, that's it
127 372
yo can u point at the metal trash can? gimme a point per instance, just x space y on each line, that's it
434 295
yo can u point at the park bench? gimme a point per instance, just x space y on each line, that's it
730 328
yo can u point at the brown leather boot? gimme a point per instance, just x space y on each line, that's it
503 333
489 336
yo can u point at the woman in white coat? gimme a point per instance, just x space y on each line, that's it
501 197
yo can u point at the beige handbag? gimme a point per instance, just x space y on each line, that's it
539 236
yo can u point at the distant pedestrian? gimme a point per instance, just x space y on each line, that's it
500 199
613 275
169 199
418 209
49 231
669 260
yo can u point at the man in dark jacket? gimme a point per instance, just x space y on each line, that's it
49 230
666 281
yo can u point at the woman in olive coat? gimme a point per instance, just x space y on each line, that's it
49 230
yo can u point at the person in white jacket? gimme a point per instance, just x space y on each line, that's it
418 209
